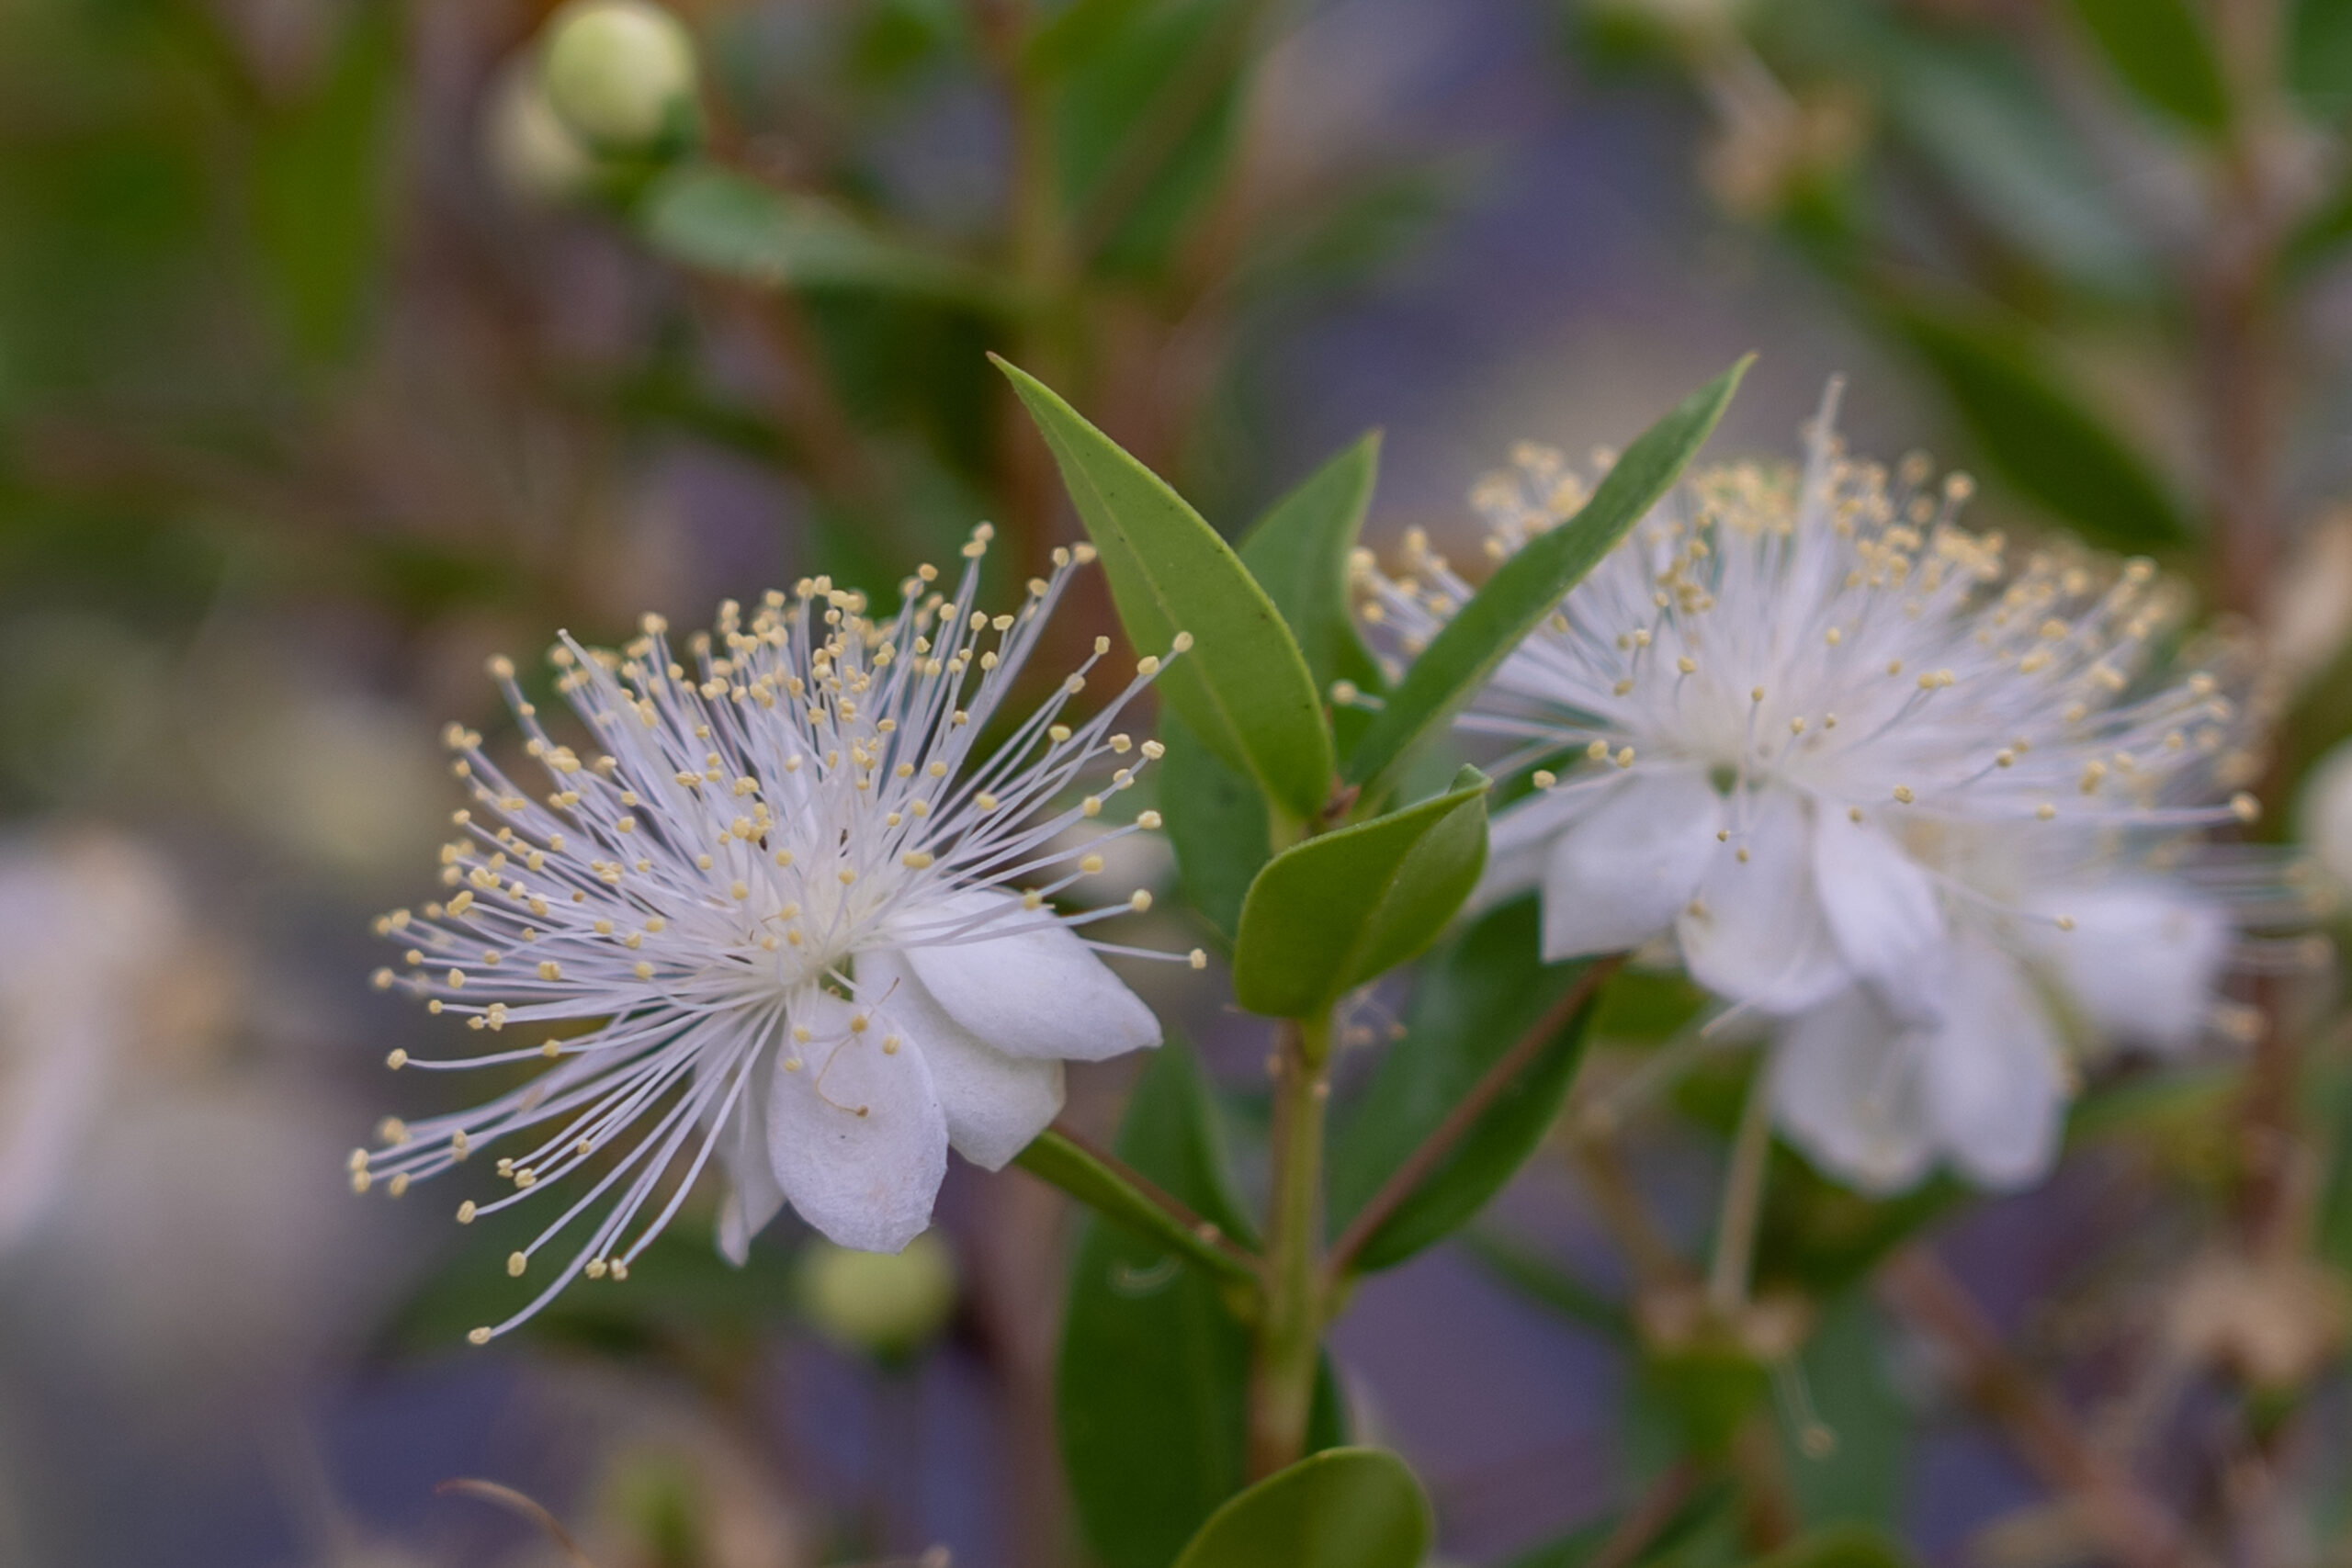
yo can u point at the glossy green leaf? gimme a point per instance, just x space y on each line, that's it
1326 915
1529 585
1110 1193
319 185
1154 1367
2160 50
2319 55
1341 1508
725 223
1839 1546
1299 550
1243 686
1216 825
1477 998
2038 433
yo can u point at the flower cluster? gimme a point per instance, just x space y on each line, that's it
1929 810
795 913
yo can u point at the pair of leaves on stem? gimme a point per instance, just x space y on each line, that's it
1328 914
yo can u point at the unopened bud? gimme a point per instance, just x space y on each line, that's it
620 74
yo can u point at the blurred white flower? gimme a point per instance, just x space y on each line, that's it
528 148
787 908
89 924
2323 816
1871 779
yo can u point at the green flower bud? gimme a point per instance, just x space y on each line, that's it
529 150
887 1304
620 74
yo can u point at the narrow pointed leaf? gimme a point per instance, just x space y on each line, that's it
1244 687
2162 52
1341 1508
1082 1174
1327 915
1528 587
1298 552
1217 824
724 222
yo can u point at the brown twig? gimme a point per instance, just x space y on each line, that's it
1652 1514
528 1507
2139 1531
1423 1161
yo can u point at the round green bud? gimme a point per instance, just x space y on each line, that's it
619 73
530 152
887 1304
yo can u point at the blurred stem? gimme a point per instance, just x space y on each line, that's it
1751 1151
1290 1330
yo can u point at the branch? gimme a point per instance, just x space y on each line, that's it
2139 1531
1103 1182
1424 1161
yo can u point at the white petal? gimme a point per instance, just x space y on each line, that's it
2143 960
1757 935
1994 1078
1519 834
1040 992
1622 875
1846 1088
995 1104
856 1135
752 1197
1882 913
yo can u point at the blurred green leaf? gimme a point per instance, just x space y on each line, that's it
1341 1508
1298 552
1530 585
1326 915
319 185
1076 1171
2161 51
724 222
1547 1285
1706 1511
1244 687
2319 55
1822 1237
1645 1007
1853 1467
1477 996
1216 825
1152 1387
2038 433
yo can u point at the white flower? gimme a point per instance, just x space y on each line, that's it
1868 778
795 917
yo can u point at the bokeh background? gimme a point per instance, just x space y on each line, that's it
329 367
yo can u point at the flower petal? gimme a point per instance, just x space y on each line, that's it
855 1134
1883 914
1993 1074
1757 935
752 1196
1846 1088
1623 874
2143 960
1039 992
1519 834
995 1104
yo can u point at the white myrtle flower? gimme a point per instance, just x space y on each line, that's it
795 917
1872 780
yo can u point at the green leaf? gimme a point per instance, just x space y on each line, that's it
1858 1475
724 222
1530 585
1298 552
2319 55
1244 687
1085 1175
1217 824
1839 1546
1547 1285
1476 998
1152 1387
1341 1508
2038 433
319 187
1704 1512
2161 51
1327 915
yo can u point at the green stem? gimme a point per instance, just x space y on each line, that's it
1743 1198
1290 1330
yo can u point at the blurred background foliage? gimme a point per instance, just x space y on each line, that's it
333 359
